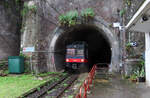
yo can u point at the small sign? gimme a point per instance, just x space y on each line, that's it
28 49
116 24
133 44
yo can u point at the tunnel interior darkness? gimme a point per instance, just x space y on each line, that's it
99 49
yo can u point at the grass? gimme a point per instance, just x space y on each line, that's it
50 73
14 86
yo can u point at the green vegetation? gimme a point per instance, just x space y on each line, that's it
56 79
64 74
71 18
38 88
70 96
66 91
128 47
88 13
65 84
6 72
128 2
23 55
28 8
133 77
26 62
139 71
14 86
49 73
17 85
122 12
17 2
3 62
3 68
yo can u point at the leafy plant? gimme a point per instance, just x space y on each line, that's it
128 2
133 77
139 71
89 12
128 46
142 62
69 19
28 8
122 12
142 73
23 55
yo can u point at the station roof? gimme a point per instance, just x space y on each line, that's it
137 23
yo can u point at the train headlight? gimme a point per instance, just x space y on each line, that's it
82 60
67 60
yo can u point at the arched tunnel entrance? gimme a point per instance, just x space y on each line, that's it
99 48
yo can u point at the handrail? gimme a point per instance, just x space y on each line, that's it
86 84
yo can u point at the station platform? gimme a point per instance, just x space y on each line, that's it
114 86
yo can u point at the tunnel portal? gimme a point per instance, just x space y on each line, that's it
99 49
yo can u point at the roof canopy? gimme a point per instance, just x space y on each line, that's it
141 20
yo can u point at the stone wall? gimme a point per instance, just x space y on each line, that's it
38 27
9 29
133 54
46 22
131 6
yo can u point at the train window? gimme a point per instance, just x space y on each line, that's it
71 52
80 52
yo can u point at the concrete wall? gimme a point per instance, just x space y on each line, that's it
47 21
9 29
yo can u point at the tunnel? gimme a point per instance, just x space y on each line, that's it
99 48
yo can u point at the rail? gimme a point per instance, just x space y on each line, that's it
86 84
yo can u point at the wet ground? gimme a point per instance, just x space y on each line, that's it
108 86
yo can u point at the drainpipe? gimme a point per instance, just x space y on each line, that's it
147 57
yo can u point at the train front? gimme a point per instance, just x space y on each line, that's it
77 56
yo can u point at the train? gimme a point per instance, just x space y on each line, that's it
77 55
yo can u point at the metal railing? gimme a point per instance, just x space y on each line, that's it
85 87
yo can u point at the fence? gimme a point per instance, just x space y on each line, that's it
86 84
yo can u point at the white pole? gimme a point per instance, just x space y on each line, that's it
147 57
31 62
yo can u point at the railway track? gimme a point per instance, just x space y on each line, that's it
55 89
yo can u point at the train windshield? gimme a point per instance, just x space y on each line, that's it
79 52
75 52
71 52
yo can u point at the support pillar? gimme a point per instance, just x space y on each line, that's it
147 57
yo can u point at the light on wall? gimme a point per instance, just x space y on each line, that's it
144 18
